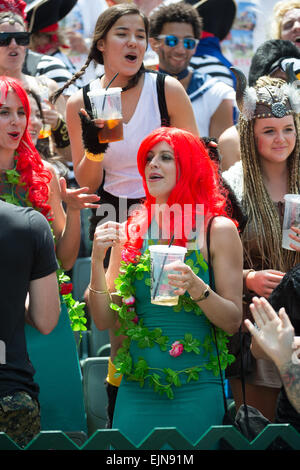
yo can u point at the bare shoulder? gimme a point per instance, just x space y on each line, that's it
49 167
230 135
75 101
223 230
172 85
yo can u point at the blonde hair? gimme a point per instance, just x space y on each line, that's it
263 223
279 10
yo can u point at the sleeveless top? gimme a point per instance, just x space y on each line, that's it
122 178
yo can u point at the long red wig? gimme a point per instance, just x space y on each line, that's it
28 161
197 184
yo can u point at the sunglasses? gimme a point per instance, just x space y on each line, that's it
22 39
172 41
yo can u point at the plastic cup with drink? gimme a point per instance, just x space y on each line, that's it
45 131
162 258
106 105
291 219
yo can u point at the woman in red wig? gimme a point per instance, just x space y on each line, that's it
168 357
35 182
26 180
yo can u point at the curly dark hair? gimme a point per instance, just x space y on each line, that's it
174 13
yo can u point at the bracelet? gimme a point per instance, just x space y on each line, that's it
245 279
60 134
94 157
204 294
99 291
250 271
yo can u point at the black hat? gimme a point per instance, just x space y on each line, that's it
41 14
267 54
217 15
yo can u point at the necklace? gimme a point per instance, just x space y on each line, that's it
18 195
164 380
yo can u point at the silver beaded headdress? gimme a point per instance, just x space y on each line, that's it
267 100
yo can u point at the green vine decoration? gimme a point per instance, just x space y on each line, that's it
162 380
76 309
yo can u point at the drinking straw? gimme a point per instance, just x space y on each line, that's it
162 268
104 99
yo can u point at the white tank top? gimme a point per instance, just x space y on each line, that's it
122 178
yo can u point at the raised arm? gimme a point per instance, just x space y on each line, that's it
274 334
66 225
109 234
88 173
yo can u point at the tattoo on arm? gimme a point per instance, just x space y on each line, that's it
290 374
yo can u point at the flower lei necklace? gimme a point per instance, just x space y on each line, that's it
76 309
163 380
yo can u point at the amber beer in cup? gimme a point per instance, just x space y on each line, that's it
162 259
106 105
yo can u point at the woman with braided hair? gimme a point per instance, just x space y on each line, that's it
119 43
269 169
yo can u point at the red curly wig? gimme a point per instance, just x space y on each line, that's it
28 161
197 185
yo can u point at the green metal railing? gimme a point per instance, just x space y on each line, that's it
105 439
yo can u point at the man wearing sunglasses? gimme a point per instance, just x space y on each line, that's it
174 33
21 38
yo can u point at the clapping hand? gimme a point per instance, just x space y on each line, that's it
77 199
107 235
273 333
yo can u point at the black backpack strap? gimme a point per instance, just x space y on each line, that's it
160 85
86 100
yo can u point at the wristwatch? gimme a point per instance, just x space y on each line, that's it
204 294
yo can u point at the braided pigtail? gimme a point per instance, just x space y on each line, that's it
54 97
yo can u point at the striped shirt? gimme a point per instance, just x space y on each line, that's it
40 64
210 65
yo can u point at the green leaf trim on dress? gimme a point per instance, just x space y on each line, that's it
163 380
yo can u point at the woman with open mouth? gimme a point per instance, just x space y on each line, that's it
27 180
14 40
119 44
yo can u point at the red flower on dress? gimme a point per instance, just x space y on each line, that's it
129 254
129 300
177 349
66 288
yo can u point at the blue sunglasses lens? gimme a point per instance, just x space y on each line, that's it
172 41
189 43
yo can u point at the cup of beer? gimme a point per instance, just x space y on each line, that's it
106 105
291 219
162 259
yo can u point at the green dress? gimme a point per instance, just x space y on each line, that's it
55 360
196 405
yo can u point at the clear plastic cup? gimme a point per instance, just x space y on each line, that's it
162 259
106 105
291 219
